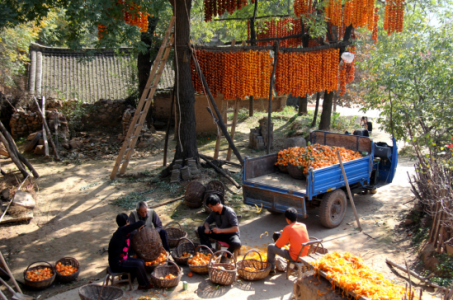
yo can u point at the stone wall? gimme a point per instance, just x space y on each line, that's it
103 113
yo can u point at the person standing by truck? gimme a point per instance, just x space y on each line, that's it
295 234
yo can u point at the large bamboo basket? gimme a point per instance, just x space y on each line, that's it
263 268
147 244
204 268
185 245
219 276
174 234
193 197
42 284
100 292
68 261
164 270
214 187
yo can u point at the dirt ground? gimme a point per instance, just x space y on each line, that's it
74 217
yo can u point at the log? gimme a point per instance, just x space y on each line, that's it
44 134
167 202
422 279
43 118
220 121
13 157
223 161
271 87
220 171
13 148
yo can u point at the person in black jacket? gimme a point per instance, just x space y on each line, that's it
119 245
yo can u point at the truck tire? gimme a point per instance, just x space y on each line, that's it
333 208
273 212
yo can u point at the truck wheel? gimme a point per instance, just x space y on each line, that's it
333 208
273 212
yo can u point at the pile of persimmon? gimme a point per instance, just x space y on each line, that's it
162 257
39 274
185 255
306 73
351 274
200 259
236 75
315 156
169 276
65 269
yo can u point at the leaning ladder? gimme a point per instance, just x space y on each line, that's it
138 120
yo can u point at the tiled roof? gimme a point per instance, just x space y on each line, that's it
65 73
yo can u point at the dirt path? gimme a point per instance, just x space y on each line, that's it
74 218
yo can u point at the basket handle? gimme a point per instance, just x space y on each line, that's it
103 285
226 251
203 246
168 261
66 257
40 261
181 242
252 250
173 222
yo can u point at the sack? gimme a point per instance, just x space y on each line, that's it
280 264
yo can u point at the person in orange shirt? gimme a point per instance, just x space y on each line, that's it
295 234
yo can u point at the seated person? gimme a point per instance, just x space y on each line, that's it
227 229
151 219
119 245
295 234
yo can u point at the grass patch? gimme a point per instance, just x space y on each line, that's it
445 267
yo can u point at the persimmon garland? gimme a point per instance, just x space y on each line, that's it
236 75
214 8
306 73
279 28
303 7
394 16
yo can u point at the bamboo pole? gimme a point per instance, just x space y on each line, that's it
44 134
351 199
271 87
168 125
10 273
57 157
13 157
220 171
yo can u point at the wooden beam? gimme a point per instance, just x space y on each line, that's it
220 171
271 87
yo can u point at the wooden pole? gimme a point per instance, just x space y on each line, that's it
13 157
10 273
9 204
220 120
57 157
349 191
277 44
220 171
233 126
44 134
168 125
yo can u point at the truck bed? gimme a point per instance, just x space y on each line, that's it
282 181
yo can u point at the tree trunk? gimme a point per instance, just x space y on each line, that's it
145 61
303 103
315 116
326 111
185 100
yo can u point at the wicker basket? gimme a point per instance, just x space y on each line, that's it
283 169
147 244
95 292
263 268
296 172
194 194
150 269
204 268
222 277
174 234
164 270
216 185
185 245
42 284
68 261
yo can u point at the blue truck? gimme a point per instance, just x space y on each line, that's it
266 186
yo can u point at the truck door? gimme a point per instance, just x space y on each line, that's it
388 161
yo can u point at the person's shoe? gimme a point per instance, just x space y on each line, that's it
272 272
149 286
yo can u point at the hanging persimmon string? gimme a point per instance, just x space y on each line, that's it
394 16
214 8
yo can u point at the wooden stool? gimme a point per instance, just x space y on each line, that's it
111 277
219 245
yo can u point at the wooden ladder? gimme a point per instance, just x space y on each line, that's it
232 125
138 120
